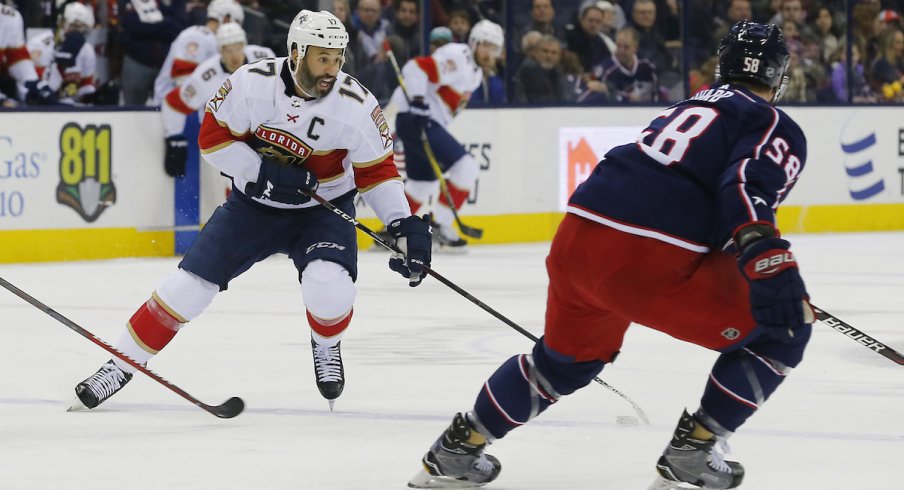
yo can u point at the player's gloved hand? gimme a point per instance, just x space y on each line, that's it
39 93
68 50
175 156
414 238
282 183
421 112
778 298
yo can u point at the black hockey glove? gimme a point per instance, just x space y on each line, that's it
39 93
414 238
175 155
778 297
421 112
67 52
282 183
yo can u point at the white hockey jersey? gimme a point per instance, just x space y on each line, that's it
445 79
72 82
343 137
14 57
193 46
198 88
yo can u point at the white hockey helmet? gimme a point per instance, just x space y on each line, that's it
219 9
231 33
487 32
321 29
78 13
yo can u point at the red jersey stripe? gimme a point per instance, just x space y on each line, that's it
326 166
368 177
450 97
215 135
182 68
428 64
17 54
173 100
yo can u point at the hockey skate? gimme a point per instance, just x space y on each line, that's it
328 370
98 387
695 462
446 240
456 462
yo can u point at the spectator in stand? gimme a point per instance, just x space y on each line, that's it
864 26
372 68
406 30
609 28
626 77
887 71
793 10
651 45
146 29
823 29
887 19
543 15
584 39
439 36
353 50
799 88
860 90
541 79
460 24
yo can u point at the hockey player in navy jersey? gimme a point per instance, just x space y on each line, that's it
675 232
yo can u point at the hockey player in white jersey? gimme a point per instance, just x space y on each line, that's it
15 60
440 86
193 46
69 66
282 129
198 88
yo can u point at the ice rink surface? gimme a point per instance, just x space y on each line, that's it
413 357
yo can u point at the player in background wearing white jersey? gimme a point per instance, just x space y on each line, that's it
15 60
198 88
282 128
440 86
68 67
193 46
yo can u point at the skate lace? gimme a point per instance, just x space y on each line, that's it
328 363
717 456
106 381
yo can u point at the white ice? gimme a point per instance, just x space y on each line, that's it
414 357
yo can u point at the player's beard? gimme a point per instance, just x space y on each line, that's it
311 84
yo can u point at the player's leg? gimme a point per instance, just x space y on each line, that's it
326 257
712 310
234 238
461 170
421 186
580 336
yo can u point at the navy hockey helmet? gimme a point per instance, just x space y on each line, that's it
757 53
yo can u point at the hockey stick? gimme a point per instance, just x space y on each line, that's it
342 214
465 229
857 335
228 409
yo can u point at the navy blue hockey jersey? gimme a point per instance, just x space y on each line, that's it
701 169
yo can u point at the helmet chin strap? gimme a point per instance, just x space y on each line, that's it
295 72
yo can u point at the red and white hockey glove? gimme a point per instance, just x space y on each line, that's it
778 297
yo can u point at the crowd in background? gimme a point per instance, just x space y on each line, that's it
562 52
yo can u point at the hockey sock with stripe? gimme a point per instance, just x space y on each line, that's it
329 332
149 330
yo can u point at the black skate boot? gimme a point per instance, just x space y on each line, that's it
447 241
456 461
101 385
695 461
328 370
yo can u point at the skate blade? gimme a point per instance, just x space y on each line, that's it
663 484
77 406
425 480
331 404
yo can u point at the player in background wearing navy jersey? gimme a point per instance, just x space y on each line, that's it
281 129
675 232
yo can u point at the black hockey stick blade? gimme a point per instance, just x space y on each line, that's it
469 231
858 336
228 409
